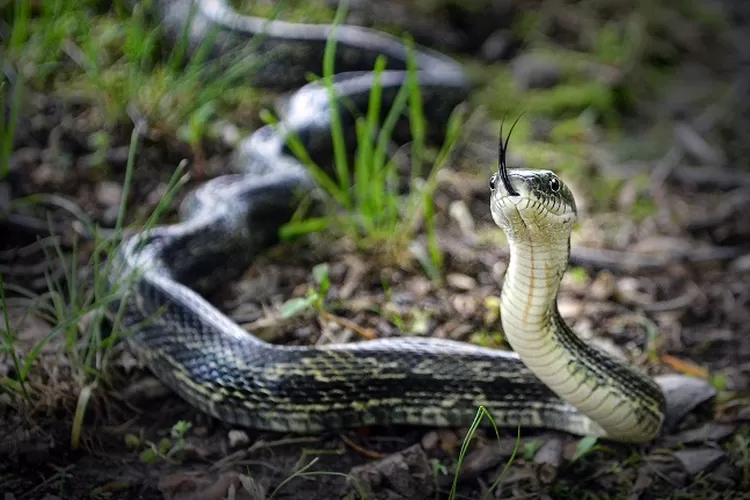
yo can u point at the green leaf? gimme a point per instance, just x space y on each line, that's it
295 306
132 441
320 273
585 446
530 449
164 445
302 227
180 429
148 456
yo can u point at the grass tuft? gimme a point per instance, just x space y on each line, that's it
77 308
481 414
369 208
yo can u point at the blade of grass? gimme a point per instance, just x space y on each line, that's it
480 415
337 131
9 340
365 179
416 110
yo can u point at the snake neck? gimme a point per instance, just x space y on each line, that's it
620 402
529 294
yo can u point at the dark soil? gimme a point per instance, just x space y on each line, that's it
682 270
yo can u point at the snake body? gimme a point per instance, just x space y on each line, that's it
552 380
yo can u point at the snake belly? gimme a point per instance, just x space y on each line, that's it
232 375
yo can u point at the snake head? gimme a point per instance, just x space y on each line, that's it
532 205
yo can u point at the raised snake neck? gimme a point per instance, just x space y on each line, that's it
221 369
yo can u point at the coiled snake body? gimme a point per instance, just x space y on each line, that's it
553 380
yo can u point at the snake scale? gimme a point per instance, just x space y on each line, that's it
553 379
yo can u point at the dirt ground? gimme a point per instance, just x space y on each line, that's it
659 276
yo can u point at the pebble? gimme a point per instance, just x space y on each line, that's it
109 215
449 440
532 71
497 46
430 440
148 388
461 281
47 174
741 264
628 291
569 308
603 286
700 460
462 215
238 438
108 193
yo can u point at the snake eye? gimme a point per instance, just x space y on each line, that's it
554 184
493 182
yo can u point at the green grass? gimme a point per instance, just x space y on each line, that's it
117 60
481 414
8 123
76 309
366 206
118 63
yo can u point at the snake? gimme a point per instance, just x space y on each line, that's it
552 379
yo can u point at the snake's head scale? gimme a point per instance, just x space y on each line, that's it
530 204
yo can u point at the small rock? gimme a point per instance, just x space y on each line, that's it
109 215
406 475
46 173
227 132
462 215
449 440
701 460
741 264
108 193
238 438
628 291
548 459
532 71
497 46
430 441
146 389
603 286
479 460
461 281
683 394
569 308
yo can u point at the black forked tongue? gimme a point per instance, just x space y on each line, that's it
503 147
